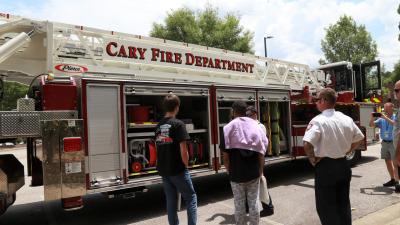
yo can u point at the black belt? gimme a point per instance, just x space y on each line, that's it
387 141
329 158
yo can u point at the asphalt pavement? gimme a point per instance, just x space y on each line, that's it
291 185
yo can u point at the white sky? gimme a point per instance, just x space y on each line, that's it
297 25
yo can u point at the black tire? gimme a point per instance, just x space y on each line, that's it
353 157
14 198
3 203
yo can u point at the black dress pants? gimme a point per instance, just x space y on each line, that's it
332 186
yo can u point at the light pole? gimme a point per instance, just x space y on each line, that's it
265 44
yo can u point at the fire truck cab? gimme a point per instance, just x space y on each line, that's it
363 84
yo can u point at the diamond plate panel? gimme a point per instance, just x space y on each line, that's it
16 124
58 115
27 124
25 104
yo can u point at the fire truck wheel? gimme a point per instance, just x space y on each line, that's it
3 204
14 196
136 167
353 157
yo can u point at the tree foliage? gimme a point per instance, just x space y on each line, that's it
12 92
386 82
205 28
398 12
347 41
395 73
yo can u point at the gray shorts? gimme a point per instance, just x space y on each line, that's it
387 150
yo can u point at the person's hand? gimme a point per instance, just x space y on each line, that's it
386 117
314 160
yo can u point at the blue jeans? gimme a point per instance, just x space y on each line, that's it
182 183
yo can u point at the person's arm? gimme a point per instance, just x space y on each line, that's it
181 137
225 157
309 150
385 117
261 160
354 146
358 137
311 138
184 153
225 153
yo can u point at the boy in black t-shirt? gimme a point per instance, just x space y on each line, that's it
172 162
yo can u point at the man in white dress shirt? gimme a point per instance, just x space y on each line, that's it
327 140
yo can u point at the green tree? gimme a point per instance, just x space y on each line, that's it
205 28
12 92
347 41
398 12
386 81
181 25
396 73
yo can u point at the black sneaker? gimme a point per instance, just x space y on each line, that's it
390 183
397 188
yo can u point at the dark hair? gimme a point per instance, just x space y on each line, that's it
239 107
170 102
329 95
250 110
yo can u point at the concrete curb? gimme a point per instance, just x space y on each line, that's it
387 216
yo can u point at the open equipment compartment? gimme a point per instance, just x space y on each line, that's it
225 98
143 104
274 113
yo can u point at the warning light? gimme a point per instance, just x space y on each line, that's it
50 77
72 144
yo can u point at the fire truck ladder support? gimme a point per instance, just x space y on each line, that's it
14 45
87 50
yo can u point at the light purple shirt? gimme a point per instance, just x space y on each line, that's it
245 133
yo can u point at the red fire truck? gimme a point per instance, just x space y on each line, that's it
94 100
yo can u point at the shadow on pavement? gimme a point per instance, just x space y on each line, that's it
227 219
19 214
97 209
366 159
379 190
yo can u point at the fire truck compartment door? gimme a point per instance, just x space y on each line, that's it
273 96
163 90
104 134
233 95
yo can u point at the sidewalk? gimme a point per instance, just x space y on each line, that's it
386 216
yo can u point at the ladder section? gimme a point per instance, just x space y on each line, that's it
81 50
